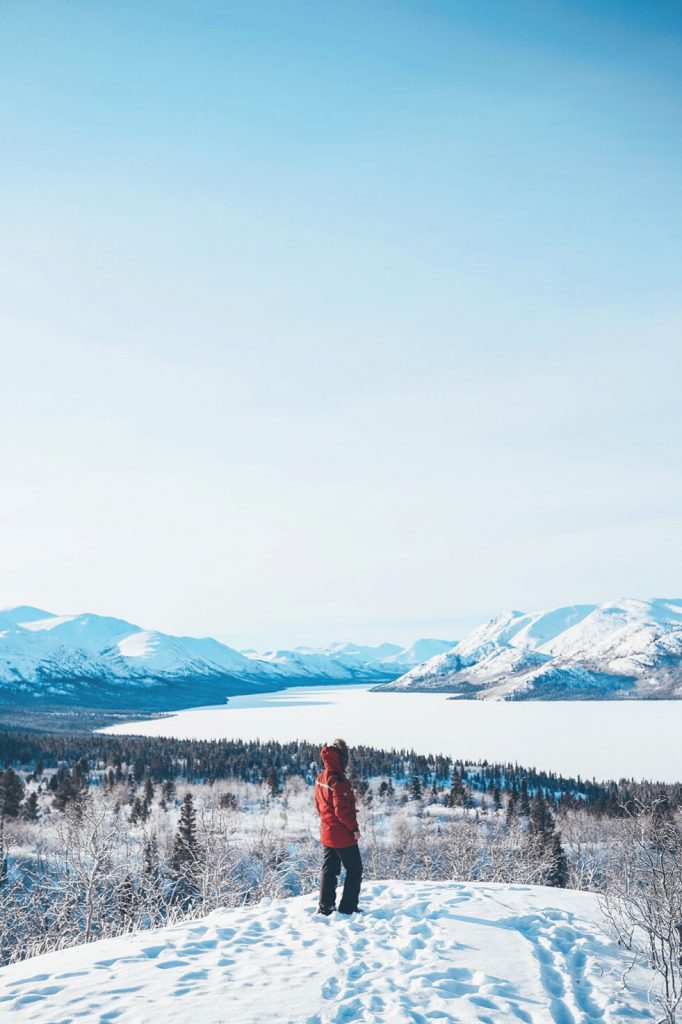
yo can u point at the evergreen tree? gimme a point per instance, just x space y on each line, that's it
186 846
80 774
126 899
558 875
151 866
11 794
228 801
69 787
168 791
524 801
540 821
272 780
29 808
4 852
458 795
138 812
415 788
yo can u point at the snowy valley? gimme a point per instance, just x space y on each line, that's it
623 649
101 661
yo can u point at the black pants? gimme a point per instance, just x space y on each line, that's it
350 857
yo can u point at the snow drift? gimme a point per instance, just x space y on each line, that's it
470 952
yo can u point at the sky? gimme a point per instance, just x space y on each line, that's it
339 321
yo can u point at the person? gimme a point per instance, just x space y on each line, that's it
339 833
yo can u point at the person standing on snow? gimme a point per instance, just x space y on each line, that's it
339 834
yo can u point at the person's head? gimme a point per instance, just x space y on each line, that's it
342 748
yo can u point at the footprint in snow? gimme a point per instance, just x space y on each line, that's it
330 988
30 981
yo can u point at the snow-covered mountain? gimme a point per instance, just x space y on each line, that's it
626 648
105 660
443 951
347 662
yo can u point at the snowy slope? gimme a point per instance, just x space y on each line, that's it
91 633
484 953
628 648
345 661
103 659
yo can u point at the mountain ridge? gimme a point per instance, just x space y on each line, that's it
628 648
109 660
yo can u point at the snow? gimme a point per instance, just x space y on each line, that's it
624 648
91 633
158 654
38 647
422 951
352 661
599 739
23 613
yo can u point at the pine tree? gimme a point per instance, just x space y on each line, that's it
29 808
558 875
4 852
11 794
272 780
186 846
138 812
524 801
540 821
80 774
228 801
458 795
151 867
126 899
168 791
69 787
415 788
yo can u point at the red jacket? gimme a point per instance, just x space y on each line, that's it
335 802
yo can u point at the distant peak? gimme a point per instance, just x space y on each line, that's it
25 613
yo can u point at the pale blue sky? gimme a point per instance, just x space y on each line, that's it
326 321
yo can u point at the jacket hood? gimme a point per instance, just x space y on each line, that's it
331 758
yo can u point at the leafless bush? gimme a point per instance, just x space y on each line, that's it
642 898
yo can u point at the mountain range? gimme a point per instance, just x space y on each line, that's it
100 660
623 649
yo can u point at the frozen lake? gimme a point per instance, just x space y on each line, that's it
600 739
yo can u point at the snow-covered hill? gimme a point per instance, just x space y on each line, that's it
627 648
96 659
344 661
422 951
